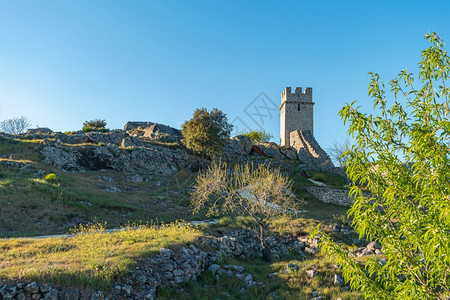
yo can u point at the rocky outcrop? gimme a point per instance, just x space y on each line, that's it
271 150
154 131
40 130
156 160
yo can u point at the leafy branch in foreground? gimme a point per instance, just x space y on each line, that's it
402 156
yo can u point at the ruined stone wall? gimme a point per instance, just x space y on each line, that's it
333 195
309 150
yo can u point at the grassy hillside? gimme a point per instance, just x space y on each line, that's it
30 205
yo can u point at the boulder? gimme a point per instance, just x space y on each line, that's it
40 130
338 280
311 273
289 153
149 161
237 146
271 150
291 267
244 144
156 131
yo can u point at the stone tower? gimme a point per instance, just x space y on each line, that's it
296 113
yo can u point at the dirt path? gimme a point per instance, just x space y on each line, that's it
203 222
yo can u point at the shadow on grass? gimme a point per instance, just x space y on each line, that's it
294 285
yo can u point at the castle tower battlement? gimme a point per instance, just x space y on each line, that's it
296 112
298 95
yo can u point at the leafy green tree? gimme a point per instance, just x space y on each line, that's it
409 212
206 133
258 136
259 192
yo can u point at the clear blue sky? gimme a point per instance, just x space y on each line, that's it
64 62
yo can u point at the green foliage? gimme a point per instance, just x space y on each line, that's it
258 136
94 125
409 212
206 133
319 177
51 178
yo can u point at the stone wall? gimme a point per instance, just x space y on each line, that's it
309 151
331 195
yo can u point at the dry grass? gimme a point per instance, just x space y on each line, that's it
31 206
93 257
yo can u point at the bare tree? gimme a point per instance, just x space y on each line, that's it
337 150
16 125
260 192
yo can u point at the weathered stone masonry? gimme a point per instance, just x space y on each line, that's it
296 128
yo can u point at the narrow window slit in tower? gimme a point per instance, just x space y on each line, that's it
298 107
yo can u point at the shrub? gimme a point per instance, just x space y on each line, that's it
51 178
258 136
94 125
319 177
87 128
257 192
206 133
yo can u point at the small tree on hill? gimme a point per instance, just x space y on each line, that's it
15 125
259 192
94 125
409 212
206 133
258 136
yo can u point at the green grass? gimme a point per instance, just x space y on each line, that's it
32 206
93 257
288 285
46 208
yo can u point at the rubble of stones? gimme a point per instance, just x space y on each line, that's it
23 167
364 247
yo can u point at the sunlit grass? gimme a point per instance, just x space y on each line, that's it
92 257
